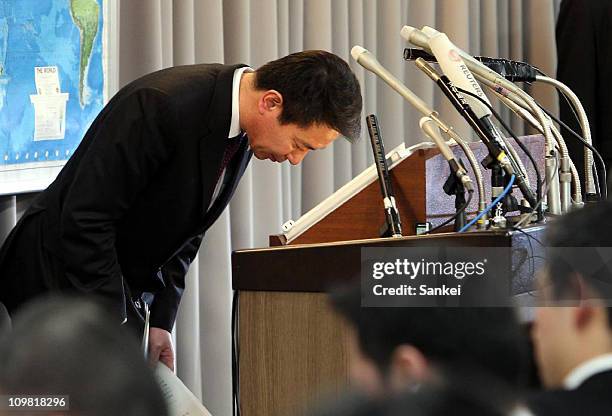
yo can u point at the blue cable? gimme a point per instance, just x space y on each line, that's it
490 207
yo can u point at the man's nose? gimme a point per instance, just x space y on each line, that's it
296 156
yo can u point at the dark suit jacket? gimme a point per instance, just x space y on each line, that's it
132 204
584 52
590 398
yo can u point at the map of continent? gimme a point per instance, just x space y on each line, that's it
65 36
85 14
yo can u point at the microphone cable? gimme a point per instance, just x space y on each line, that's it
540 182
454 217
490 206
581 138
556 170
596 179
524 148
603 183
567 101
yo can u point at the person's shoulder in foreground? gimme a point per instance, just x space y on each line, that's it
572 333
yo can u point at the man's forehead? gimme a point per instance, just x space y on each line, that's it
319 133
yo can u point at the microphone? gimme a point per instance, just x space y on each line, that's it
432 131
364 58
421 39
513 71
460 104
394 225
415 36
457 71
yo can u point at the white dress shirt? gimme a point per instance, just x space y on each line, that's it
587 370
234 129
235 124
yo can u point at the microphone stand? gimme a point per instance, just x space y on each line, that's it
452 186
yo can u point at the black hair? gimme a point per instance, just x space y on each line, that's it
489 339
70 347
318 87
463 392
587 229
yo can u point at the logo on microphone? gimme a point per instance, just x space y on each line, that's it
454 55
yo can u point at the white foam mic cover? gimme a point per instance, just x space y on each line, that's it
356 51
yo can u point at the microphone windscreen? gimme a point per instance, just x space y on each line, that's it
429 31
407 31
357 51
415 36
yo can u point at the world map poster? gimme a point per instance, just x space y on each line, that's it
52 80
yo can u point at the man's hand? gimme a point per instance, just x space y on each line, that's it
160 347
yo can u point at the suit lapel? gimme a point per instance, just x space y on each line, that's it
235 170
213 144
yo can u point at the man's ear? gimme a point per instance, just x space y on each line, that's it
584 315
584 312
271 100
408 366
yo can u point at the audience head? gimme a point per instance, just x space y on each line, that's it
396 348
469 395
576 324
69 347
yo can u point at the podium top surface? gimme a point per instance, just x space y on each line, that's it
317 267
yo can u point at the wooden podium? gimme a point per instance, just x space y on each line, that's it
293 349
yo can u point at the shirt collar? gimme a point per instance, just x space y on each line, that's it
234 129
586 370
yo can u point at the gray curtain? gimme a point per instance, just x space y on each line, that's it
155 34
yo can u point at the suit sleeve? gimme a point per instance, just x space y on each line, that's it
125 149
165 305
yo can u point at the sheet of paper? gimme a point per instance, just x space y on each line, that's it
49 116
47 80
181 401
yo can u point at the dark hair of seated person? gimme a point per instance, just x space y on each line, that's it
70 347
587 229
470 394
486 339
